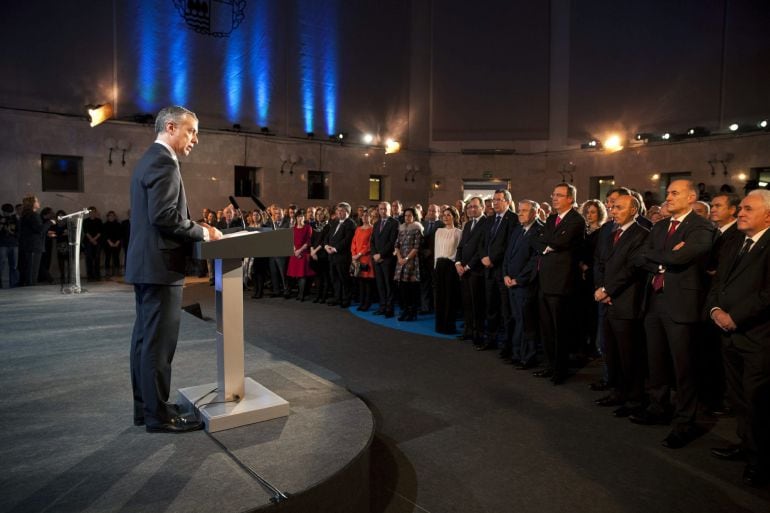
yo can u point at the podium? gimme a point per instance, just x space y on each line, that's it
235 400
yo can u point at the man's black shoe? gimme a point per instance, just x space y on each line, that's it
483 346
599 386
543 373
138 421
646 418
732 452
678 438
755 476
177 424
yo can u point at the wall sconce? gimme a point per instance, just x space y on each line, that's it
99 114
294 161
568 170
284 161
120 145
411 171
716 160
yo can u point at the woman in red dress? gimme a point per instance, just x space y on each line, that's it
299 262
360 249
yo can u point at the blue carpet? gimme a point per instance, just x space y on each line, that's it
424 325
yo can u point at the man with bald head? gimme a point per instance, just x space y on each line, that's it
675 255
739 305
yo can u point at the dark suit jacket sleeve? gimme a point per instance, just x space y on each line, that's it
698 243
163 183
388 239
627 274
564 237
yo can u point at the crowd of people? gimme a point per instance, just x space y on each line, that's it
674 299
30 237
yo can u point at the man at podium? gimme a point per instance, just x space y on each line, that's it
155 265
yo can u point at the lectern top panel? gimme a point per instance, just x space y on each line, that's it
244 244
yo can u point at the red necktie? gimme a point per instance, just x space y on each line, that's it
616 236
558 220
657 280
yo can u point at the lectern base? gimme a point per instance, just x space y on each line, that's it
258 405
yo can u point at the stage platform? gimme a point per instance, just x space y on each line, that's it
69 444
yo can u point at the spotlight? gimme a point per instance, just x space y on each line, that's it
237 127
593 144
698 131
310 135
99 114
762 124
392 146
613 143
666 136
734 127
644 136
368 138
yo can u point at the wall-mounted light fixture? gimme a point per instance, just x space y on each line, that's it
411 171
98 114
120 145
717 159
568 171
294 159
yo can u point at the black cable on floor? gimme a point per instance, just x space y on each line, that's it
276 495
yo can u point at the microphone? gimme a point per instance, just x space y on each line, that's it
257 202
238 209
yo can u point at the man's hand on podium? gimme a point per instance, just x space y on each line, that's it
214 234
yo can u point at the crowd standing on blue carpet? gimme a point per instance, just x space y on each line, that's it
673 299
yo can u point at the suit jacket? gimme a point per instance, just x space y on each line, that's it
468 250
342 239
520 261
743 291
385 243
721 241
623 281
603 246
160 224
495 242
429 242
685 279
559 268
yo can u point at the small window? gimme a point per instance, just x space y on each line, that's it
318 185
600 186
62 173
245 181
375 188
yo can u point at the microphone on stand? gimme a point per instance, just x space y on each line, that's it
237 209
258 203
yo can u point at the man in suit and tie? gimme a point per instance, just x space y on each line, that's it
675 255
277 265
739 305
519 275
337 245
712 386
430 223
160 229
621 289
384 234
471 272
559 246
494 242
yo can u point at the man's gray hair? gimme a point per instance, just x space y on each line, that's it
532 203
172 113
345 206
764 195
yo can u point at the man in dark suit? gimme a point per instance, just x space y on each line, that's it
277 265
160 227
739 305
519 275
675 255
621 288
337 245
471 272
384 234
430 223
712 386
560 245
492 248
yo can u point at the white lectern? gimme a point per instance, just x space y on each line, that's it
234 400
